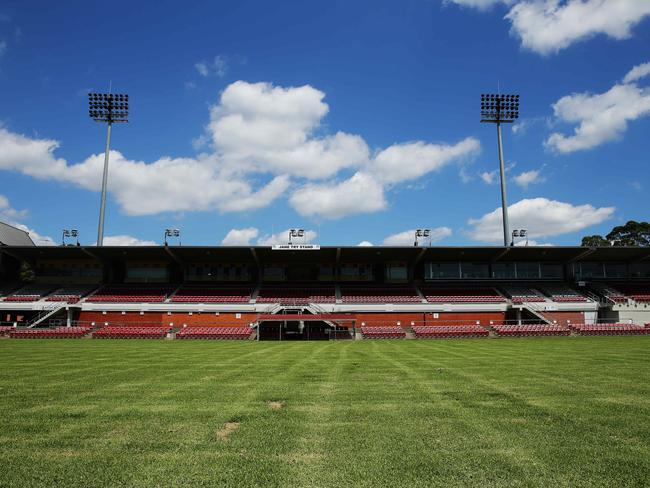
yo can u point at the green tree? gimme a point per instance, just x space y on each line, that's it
26 272
633 234
595 241
636 234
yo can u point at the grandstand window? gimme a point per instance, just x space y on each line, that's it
274 272
615 270
326 272
528 270
503 270
591 270
147 274
442 271
640 270
474 270
356 272
551 270
396 272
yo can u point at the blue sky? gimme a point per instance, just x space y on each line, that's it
358 121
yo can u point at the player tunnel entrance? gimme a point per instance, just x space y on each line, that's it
297 326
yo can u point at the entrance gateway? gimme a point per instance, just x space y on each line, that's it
293 325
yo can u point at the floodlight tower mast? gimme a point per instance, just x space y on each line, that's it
109 108
498 109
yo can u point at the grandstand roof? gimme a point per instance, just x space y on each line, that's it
12 236
327 254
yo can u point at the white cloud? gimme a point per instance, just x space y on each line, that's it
401 162
636 73
217 67
489 177
365 244
407 238
359 194
202 68
283 238
548 26
479 4
528 178
600 117
11 216
240 237
38 239
126 240
541 217
7 212
261 141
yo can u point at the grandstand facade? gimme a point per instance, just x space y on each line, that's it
323 293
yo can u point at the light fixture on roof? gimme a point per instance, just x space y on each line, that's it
70 233
296 233
173 233
421 233
500 109
110 108
521 234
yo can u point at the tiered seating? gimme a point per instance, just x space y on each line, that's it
5 329
563 293
70 294
521 294
637 292
54 333
449 331
394 332
131 294
30 293
462 295
211 294
120 332
290 295
233 333
535 330
388 294
610 329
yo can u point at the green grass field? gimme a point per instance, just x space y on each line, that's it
551 412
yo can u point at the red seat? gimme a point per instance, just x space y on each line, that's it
229 333
449 331
390 332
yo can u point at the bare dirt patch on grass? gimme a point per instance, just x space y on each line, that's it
275 405
227 429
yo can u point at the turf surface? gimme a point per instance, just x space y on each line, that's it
517 412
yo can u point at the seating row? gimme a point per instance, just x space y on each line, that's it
233 333
116 332
534 330
291 295
610 329
379 295
449 331
206 294
393 332
55 333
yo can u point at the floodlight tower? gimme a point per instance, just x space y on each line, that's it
110 108
500 109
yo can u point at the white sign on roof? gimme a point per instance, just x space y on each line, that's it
296 247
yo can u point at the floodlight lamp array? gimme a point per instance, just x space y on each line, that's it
499 108
108 107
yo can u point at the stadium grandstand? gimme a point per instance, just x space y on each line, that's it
323 293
